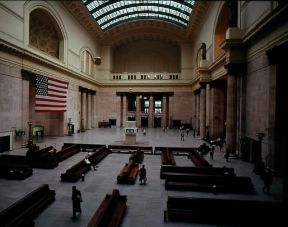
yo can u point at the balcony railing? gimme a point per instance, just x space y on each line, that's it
145 76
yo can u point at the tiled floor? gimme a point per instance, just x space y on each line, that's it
146 204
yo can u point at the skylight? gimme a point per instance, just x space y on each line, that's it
109 13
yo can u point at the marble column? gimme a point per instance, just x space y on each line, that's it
197 112
124 109
93 113
138 111
202 107
89 110
164 111
207 119
151 112
231 114
83 110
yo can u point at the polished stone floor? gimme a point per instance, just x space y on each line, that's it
146 204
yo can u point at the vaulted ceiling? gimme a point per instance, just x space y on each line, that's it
167 28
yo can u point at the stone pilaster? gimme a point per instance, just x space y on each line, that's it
125 109
138 111
83 109
164 112
151 112
89 110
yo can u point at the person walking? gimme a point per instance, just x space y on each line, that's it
212 152
182 135
267 179
76 201
227 153
143 177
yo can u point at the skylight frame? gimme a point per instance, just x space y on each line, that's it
110 13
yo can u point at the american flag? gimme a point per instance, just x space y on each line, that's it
51 94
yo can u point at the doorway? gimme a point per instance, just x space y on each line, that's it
157 122
144 122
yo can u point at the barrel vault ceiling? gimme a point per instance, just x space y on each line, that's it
132 30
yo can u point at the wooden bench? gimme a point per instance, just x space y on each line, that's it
22 212
15 167
110 212
75 172
197 159
128 173
224 211
129 148
45 158
84 146
167 157
209 183
99 154
176 170
66 152
137 156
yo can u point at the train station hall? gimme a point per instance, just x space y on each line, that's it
139 113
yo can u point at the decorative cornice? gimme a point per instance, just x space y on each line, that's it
27 55
273 19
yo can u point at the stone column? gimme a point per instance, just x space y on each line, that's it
164 111
138 111
194 110
207 120
124 109
89 111
197 111
151 112
93 113
83 110
202 111
231 114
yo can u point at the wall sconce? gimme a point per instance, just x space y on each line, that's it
97 60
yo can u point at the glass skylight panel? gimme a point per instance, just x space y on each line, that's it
110 13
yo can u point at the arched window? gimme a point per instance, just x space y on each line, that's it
86 62
220 31
44 33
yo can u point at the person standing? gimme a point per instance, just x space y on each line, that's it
143 177
76 201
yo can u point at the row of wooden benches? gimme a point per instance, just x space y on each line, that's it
234 212
48 158
167 156
205 179
21 213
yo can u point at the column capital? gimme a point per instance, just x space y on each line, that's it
82 89
235 68
86 90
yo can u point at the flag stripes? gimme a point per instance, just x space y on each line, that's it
51 94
